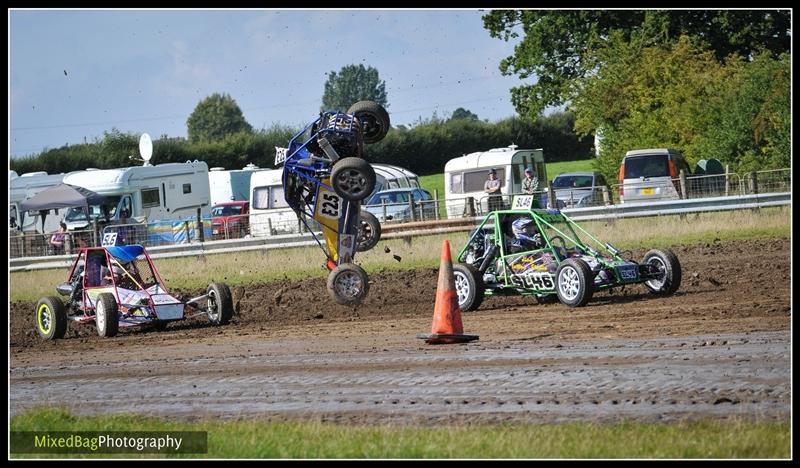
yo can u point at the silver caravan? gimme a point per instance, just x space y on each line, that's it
465 176
231 185
144 193
270 214
26 186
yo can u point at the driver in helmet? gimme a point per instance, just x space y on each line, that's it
526 235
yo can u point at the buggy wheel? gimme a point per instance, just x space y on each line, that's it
469 286
353 178
220 304
348 284
51 318
669 268
369 232
373 118
574 282
106 315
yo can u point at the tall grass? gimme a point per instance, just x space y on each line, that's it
269 265
262 439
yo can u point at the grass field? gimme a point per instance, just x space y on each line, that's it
262 439
264 266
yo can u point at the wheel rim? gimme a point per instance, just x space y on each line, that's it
371 126
213 311
351 182
100 317
348 285
44 319
365 233
462 287
569 283
662 268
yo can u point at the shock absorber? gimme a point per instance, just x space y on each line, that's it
487 260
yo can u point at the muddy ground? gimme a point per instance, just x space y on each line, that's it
718 348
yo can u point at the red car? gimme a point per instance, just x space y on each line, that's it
230 220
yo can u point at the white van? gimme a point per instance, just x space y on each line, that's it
26 186
651 174
465 176
270 214
232 185
144 193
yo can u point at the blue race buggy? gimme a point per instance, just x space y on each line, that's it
325 178
117 287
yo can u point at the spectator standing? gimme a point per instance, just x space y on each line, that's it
492 187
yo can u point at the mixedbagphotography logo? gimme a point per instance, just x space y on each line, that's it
162 442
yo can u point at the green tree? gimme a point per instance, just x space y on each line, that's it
562 47
351 84
463 114
216 117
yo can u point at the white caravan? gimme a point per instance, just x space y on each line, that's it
465 176
144 193
26 186
270 214
232 185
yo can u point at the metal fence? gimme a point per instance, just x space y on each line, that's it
279 222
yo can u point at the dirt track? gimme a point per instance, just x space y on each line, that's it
719 347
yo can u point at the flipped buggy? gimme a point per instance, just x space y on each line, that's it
325 178
544 253
117 287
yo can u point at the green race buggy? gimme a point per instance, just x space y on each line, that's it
544 253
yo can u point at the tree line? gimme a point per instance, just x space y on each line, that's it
711 83
423 148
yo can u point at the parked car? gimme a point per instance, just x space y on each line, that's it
397 204
651 174
579 189
230 220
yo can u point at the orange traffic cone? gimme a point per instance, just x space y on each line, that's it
447 326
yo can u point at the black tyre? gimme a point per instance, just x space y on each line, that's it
669 267
373 118
348 284
106 315
220 304
51 318
369 232
353 178
469 286
574 282
542 299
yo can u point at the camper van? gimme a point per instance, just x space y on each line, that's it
270 214
465 176
26 186
144 193
232 185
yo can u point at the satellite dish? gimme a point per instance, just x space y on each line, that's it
146 148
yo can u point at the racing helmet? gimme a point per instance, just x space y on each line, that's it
525 233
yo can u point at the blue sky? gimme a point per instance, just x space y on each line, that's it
146 70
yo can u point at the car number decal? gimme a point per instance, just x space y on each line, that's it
109 239
533 281
330 204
